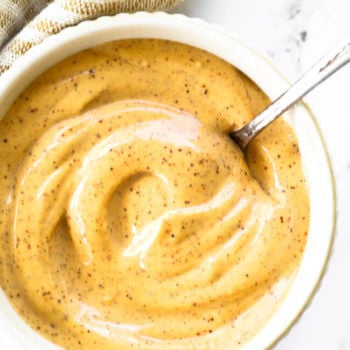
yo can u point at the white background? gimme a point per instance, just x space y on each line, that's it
293 34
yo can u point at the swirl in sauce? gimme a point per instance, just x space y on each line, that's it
130 219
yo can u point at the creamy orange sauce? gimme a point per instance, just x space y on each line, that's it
130 219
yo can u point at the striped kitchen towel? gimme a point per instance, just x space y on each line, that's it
25 23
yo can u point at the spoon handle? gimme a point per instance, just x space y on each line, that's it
326 66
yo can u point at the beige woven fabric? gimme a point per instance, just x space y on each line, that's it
25 23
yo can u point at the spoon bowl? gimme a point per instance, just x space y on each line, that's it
14 332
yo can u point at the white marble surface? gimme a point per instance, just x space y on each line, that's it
293 34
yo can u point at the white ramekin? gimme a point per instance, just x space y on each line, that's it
14 332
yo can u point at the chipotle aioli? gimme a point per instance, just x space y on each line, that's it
130 219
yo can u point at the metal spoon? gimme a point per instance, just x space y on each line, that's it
326 66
